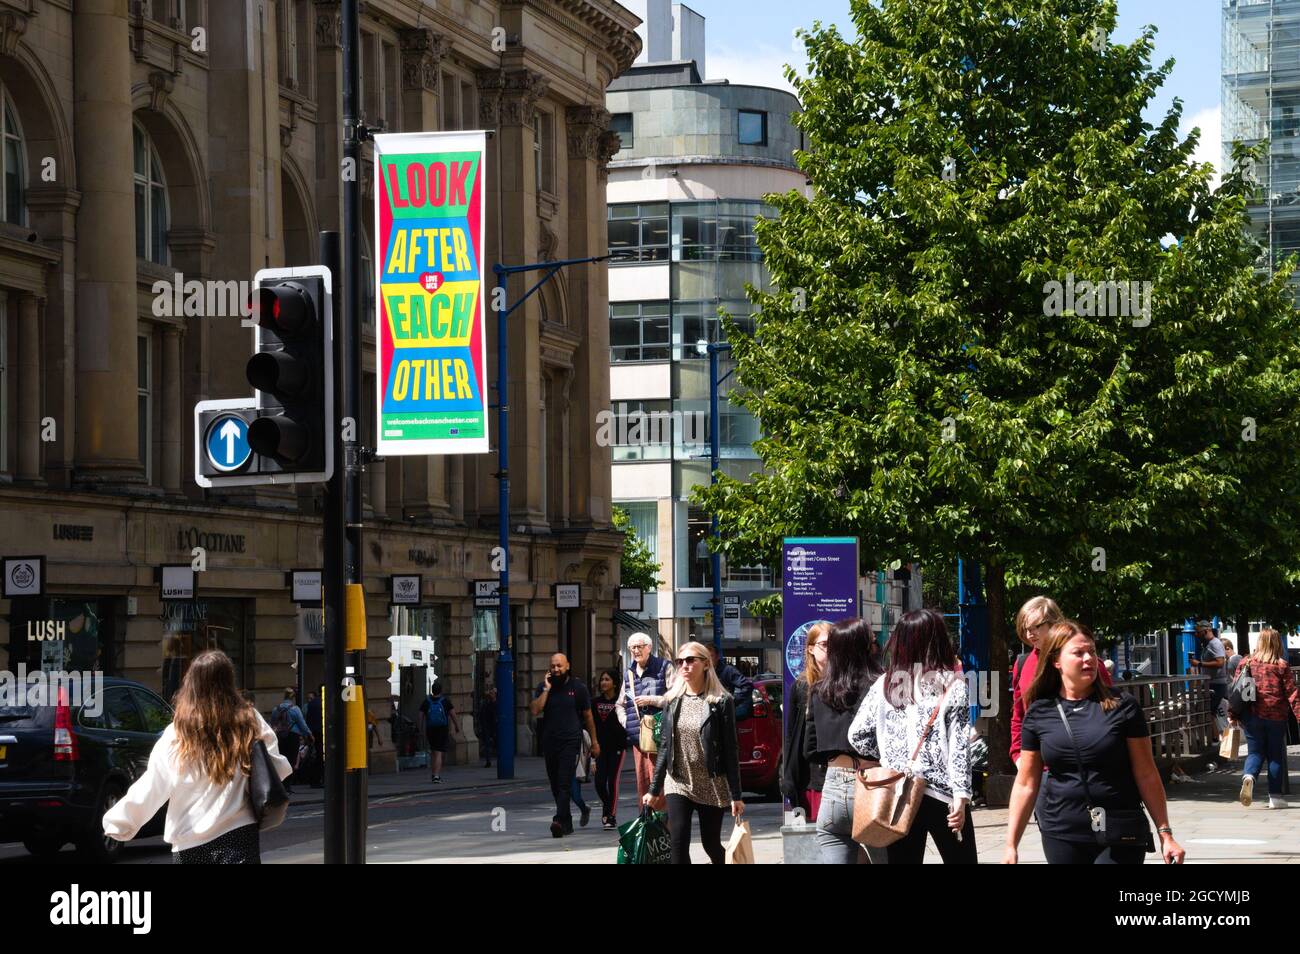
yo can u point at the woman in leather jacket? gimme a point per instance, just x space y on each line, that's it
698 769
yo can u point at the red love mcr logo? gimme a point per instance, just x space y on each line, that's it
431 281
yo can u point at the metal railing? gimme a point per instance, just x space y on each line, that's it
1177 709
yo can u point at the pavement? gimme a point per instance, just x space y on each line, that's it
1208 821
473 817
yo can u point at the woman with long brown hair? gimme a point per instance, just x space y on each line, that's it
199 768
1101 770
801 780
1265 720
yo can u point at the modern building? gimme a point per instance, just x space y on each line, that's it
1261 101
202 139
685 188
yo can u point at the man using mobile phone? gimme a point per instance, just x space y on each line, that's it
564 704
1213 663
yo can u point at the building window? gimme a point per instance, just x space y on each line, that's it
621 123
639 232
366 86
642 430
288 14
367 284
166 12
392 113
11 160
468 118
543 152
142 405
721 231
753 128
643 518
450 113
640 331
150 201
698 321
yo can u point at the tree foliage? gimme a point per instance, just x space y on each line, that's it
638 567
931 396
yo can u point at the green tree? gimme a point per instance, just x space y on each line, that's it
638 568
926 380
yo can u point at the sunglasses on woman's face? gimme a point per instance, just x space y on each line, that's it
688 660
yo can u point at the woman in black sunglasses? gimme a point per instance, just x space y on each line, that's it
698 769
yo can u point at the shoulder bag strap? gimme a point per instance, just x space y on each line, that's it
631 693
930 724
1078 756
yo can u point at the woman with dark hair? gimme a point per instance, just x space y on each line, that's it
1101 767
917 720
609 713
199 768
852 667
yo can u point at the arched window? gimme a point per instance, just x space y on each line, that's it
150 201
11 163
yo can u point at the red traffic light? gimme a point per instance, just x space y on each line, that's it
285 309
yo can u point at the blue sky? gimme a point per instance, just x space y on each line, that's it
747 41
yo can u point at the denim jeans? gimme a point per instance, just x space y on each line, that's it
835 822
1265 741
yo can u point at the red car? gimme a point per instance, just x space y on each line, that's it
759 739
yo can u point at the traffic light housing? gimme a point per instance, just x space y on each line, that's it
284 433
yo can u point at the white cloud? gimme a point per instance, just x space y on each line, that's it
1210 148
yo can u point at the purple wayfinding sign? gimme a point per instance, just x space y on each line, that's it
819 583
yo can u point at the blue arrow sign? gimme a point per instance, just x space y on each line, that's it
227 442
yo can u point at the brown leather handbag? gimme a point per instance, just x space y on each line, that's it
885 801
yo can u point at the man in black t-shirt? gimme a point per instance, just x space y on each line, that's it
564 705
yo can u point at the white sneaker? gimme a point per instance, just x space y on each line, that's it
1276 801
1247 790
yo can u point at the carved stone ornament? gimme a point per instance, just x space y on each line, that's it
584 126
13 24
422 51
161 84
610 143
508 96
547 244
329 25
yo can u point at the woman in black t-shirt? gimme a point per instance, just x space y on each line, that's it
608 708
1112 741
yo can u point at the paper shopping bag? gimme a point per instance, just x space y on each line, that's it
740 847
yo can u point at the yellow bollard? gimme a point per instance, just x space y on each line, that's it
355 618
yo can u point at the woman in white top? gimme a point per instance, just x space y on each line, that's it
199 768
923 686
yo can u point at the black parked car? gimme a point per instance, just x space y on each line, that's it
62 766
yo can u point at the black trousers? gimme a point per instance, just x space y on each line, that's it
932 819
561 756
679 829
1078 853
240 846
609 763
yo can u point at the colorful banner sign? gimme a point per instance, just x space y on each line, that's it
431 376
819 582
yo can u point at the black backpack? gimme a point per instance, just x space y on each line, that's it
1242 693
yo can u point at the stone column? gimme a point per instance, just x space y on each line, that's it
172 411
508 98
378 487
106 447
424 491
29 388
422 51
590 146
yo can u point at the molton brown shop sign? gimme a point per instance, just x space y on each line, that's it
187 538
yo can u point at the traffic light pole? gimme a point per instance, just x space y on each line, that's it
350 341
332 585
504 677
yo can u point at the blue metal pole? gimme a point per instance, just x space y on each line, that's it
715 559
505 668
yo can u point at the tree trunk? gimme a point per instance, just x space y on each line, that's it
999 739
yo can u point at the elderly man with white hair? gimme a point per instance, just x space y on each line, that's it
644 684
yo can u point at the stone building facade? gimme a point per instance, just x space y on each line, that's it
200 140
